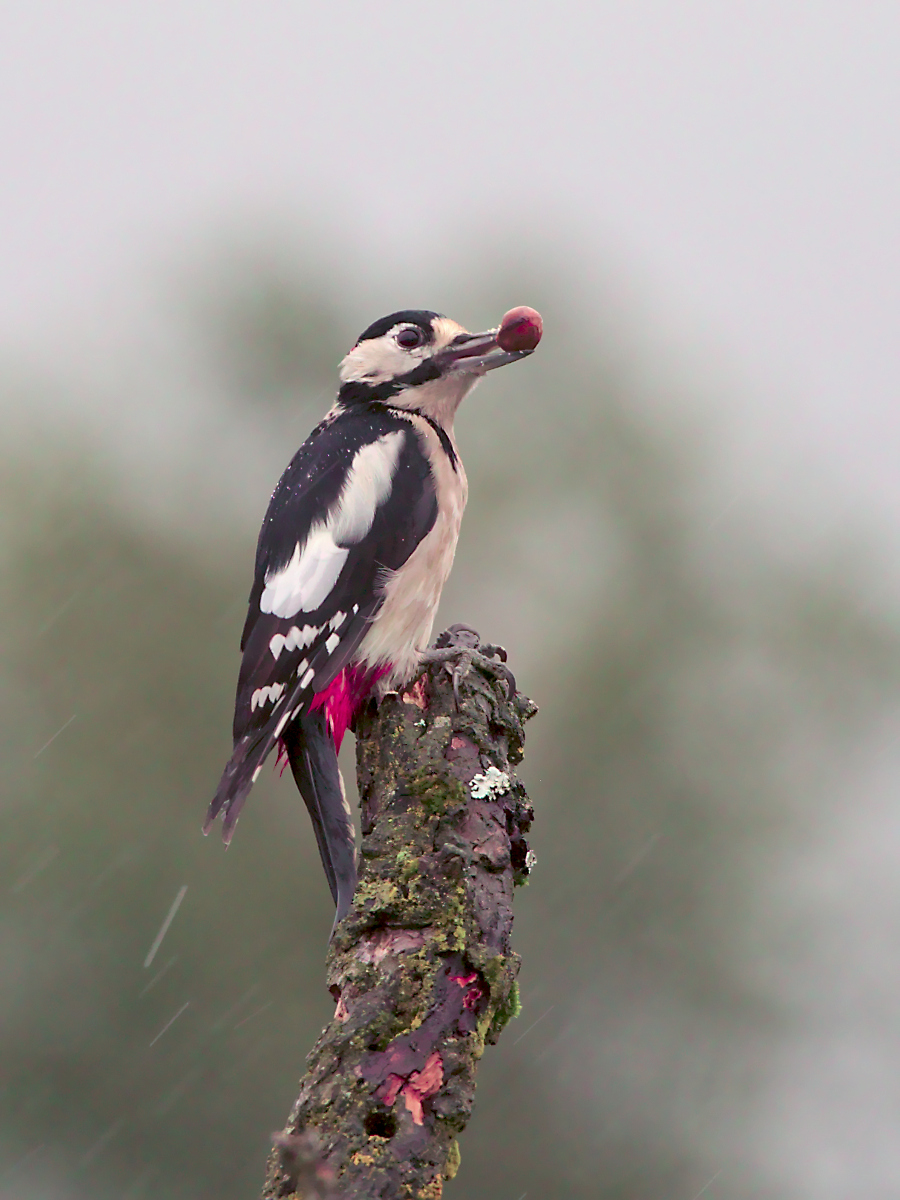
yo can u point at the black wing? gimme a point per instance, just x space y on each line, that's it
355 501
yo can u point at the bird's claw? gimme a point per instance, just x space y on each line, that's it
463 636
492 651
459 648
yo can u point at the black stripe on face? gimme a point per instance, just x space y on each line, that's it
360 392
407 316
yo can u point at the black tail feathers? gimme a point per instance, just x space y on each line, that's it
238 778
314 764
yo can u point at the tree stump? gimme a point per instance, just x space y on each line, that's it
421 969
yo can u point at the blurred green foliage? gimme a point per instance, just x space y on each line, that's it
695 693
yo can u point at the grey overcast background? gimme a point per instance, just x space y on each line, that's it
739 164
732 173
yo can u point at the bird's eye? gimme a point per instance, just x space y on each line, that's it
410 338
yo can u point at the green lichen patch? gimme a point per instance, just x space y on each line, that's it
436 788
454 1158
507 1010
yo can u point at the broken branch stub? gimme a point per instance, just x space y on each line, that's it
421 969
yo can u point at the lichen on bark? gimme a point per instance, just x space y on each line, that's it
421 970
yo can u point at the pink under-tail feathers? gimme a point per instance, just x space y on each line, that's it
341 701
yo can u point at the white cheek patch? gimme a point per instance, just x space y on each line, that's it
378 360
304 582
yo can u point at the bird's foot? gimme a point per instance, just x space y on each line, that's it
459 648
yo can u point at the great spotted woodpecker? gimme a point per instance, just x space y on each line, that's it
356 545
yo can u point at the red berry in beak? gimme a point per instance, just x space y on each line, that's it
520 329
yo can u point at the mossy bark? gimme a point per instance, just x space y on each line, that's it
421 970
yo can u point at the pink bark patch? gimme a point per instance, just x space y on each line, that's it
344 695
415 1088
376 946
390 1089
423 1084
465 757
463 980
474 994
416 694
471 998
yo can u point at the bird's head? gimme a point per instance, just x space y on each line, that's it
421 360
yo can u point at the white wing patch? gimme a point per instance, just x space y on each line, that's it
368 484
304 582
332 643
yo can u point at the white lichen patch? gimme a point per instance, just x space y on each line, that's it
490 784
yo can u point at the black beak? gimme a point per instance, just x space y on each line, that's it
476 353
